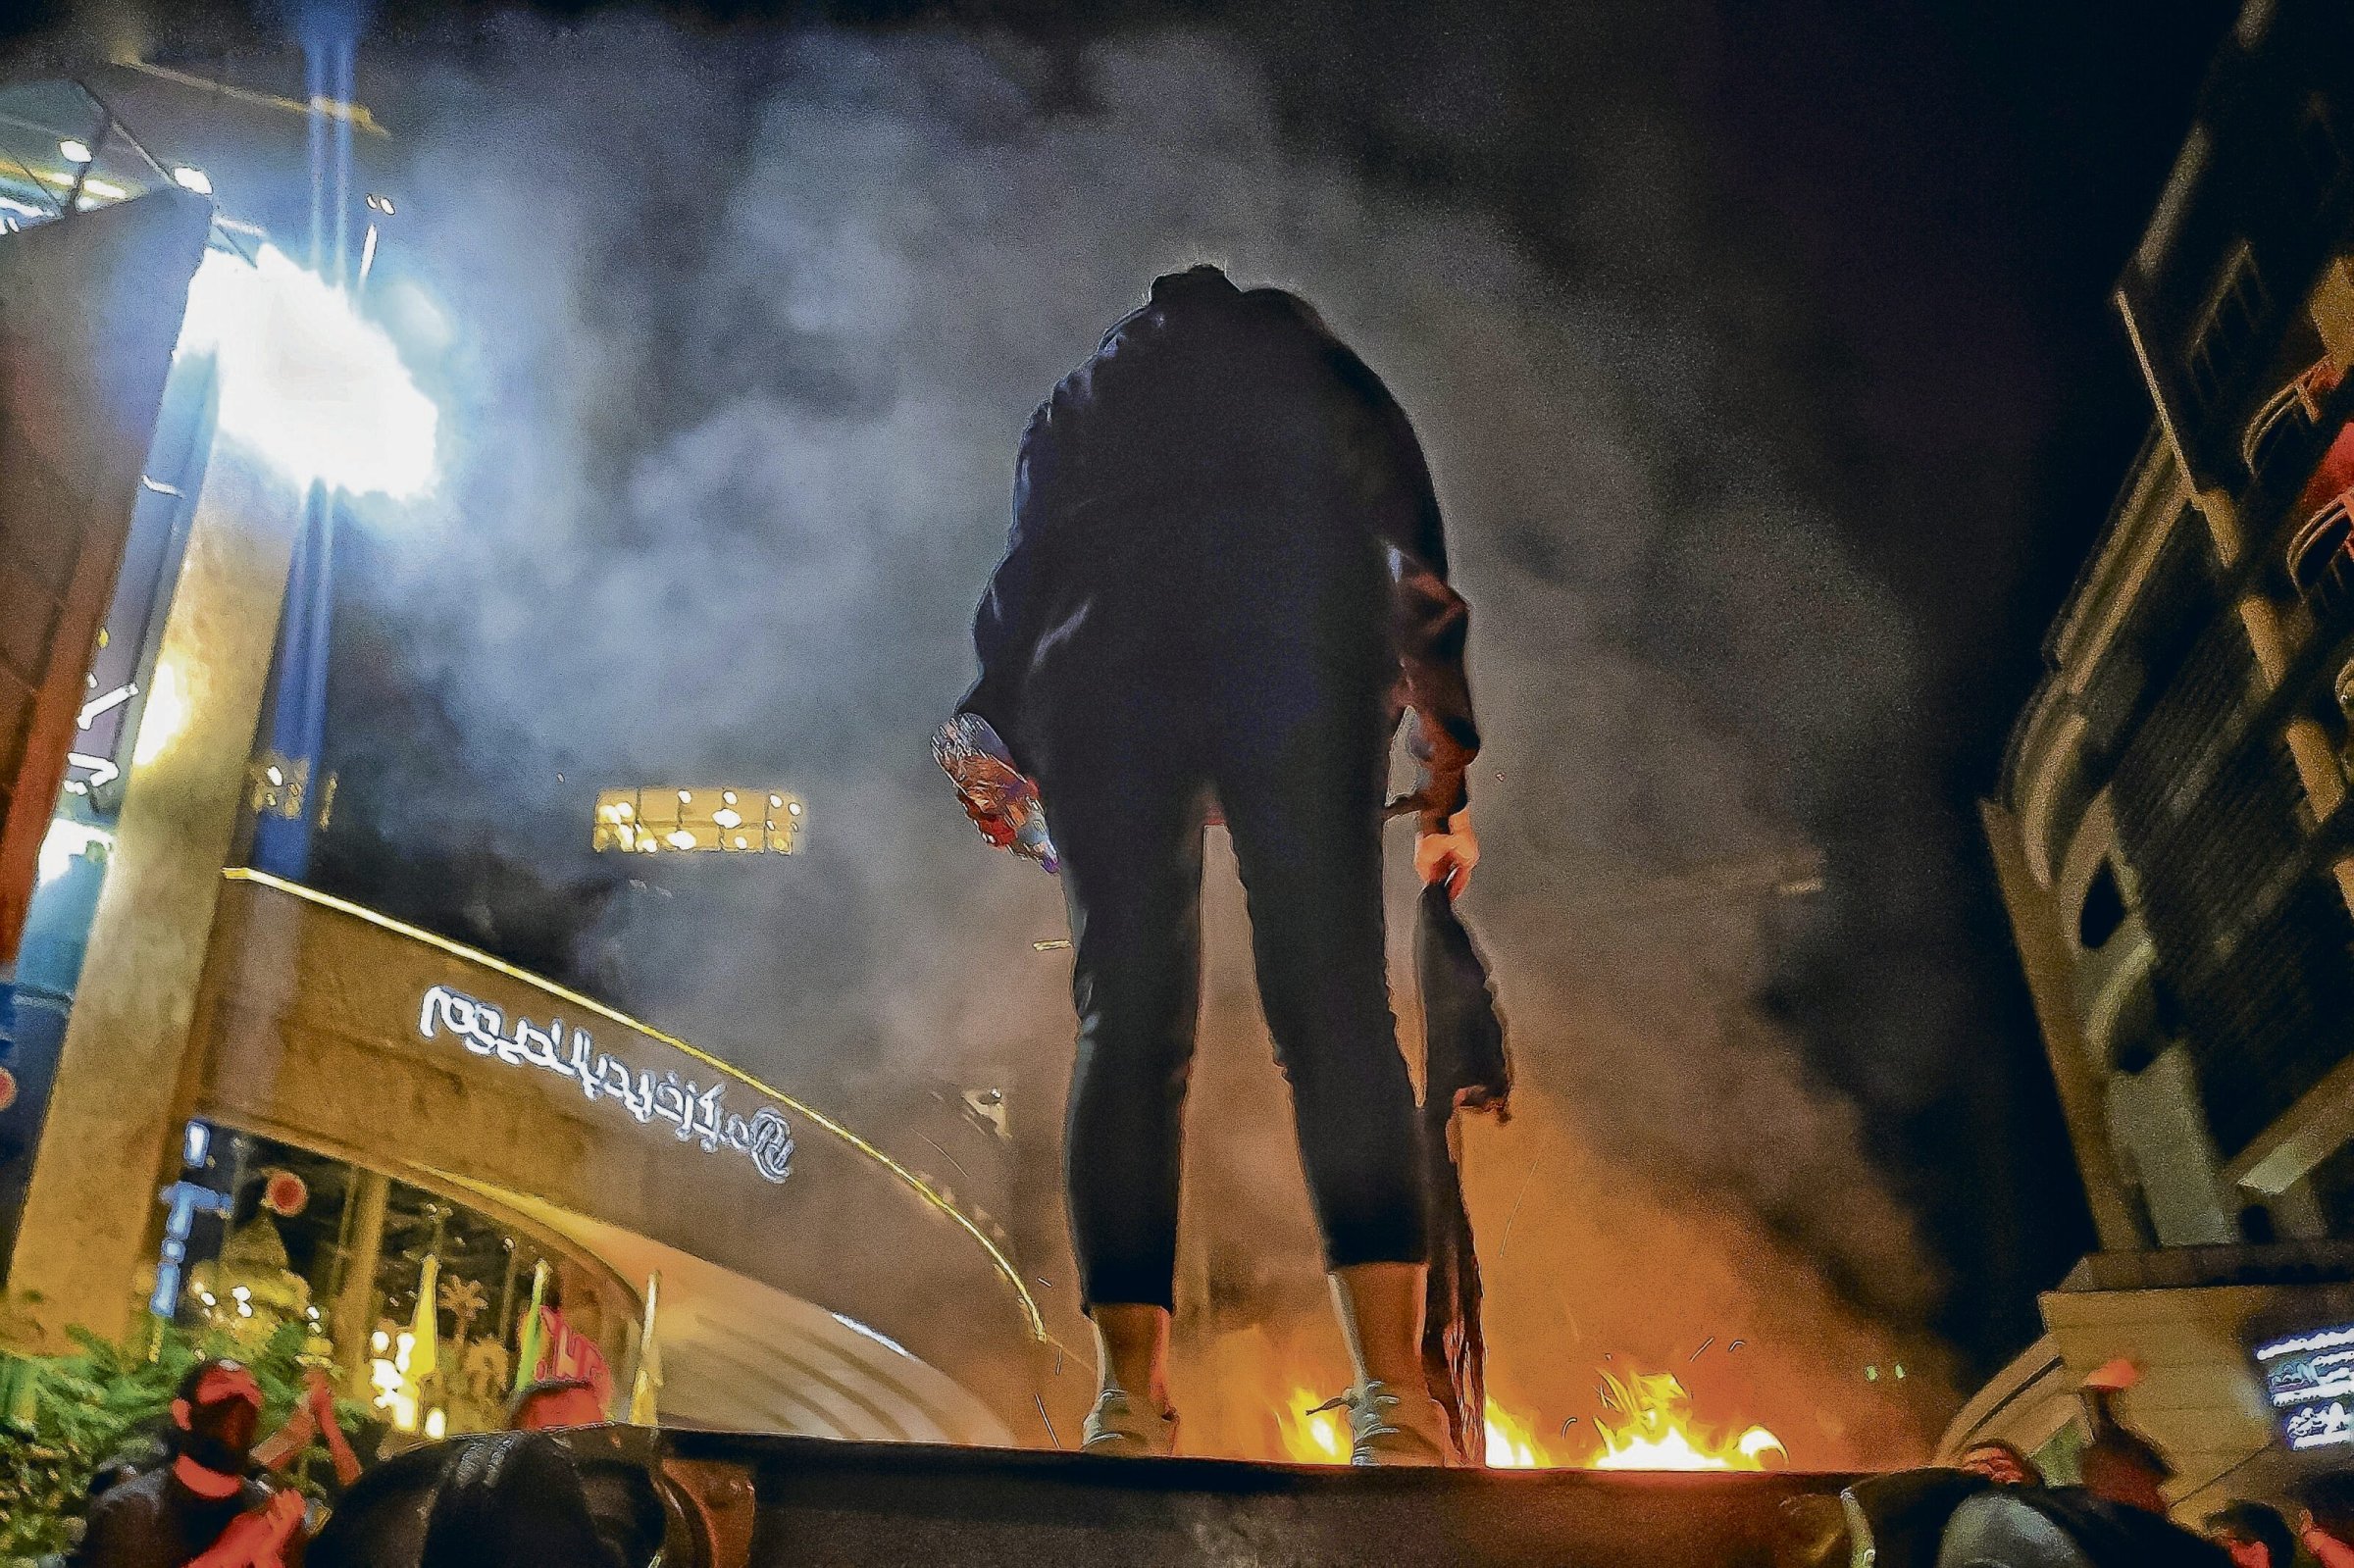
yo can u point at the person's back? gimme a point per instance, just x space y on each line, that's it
1225 582
153 1520
1214 499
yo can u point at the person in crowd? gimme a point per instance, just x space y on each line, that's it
202 1509
1227 581
555 1402
568 1349
2325 1518
2254 1535
2002 1463
2121 1464
313 1417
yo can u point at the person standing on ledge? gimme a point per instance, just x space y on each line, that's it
1226 581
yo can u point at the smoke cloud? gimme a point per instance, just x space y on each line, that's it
734 335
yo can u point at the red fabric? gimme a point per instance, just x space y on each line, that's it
2334 478
570 1354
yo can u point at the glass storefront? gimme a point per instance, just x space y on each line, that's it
277 1235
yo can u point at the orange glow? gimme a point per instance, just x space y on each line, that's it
1512 1443
1648 1426
1312 1437
1654 1430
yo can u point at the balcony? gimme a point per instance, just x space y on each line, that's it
2279 441
2320 565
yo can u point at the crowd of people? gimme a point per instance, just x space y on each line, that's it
212 1492
2123 1469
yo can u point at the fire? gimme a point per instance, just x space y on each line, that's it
1311 1436
1655 1431
1513 1443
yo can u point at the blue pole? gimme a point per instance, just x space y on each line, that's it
297 733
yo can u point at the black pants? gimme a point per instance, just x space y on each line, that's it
1126 789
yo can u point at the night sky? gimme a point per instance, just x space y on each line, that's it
1934 199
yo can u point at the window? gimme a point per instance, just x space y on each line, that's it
2220 343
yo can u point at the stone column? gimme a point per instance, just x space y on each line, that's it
2043 955
125 1080
355 1303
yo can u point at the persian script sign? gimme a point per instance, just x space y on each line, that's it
2309 1378
696 1113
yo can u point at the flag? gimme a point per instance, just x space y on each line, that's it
424 1344
648 1384
532 1344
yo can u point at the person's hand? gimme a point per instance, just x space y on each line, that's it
318 1395
1450 855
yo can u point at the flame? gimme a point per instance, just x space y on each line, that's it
1658 1431
1312 1437
1512 1443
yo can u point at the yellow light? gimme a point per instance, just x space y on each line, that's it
739 841
624 811
103 189
680 838
73 152
776 800
728 816
379 1341
685 795
794 808
727 796
437 1424
165 719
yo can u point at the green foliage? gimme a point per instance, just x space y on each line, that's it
107 1401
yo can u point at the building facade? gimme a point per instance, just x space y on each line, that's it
239 1106
2170 827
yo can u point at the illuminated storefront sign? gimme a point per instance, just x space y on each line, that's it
2309 1382
695 1113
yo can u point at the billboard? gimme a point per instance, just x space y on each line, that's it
2309 1383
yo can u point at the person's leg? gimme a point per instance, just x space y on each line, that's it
1127 822
1304 805
1381 1314
1132 1350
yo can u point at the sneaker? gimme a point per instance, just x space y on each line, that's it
1383 1430
1126 1427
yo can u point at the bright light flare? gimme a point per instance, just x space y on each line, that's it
1311 1436
306 381
164 717
65 842
73 152
190 177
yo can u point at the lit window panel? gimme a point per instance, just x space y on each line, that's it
657 819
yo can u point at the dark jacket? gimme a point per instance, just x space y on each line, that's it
1224 499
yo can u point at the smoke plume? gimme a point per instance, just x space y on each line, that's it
734 335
